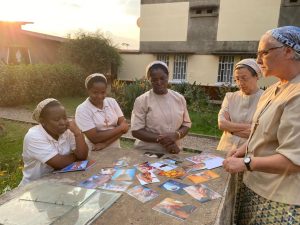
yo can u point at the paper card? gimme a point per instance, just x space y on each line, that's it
75 166
95 181
203 176
108 171
116 185
175 208
202 193
214 163
201 158
176 173
147 178
174 186
142 193
122 162
163 166
145 167
194 167
123 174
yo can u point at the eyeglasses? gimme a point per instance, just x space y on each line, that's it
266 52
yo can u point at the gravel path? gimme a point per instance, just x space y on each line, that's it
191 141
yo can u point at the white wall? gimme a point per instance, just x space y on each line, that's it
246 20
134 66
164 22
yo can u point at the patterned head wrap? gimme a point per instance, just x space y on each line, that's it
155 63
288 35
92 76
251 63
37 112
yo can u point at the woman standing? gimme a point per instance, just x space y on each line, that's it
99 117
238 107
270 159
159 118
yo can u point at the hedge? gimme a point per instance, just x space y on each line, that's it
21 84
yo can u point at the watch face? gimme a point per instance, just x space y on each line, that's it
247 160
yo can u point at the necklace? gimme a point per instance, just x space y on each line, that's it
168 116
105 118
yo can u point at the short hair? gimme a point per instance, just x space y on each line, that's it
95 79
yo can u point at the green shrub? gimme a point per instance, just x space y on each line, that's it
23 84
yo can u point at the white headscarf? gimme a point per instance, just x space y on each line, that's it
37 112
155 63
251 63
92 76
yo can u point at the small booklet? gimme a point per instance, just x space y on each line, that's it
174 186
95 181
123 174
202 193
147 178
203 176
77 166
175 208
142 193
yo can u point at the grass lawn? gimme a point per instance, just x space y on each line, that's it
11 153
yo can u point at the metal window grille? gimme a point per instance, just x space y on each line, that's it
164 58
225 69
180 67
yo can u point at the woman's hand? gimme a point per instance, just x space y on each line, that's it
72 126
234 165
124 127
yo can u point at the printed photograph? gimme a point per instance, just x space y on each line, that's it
147 178
124 174
203 176
95 181
142 193
202 193
174 186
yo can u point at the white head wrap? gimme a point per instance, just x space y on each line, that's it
155 63
92 76
37 112
251 63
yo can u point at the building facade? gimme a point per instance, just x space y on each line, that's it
201 40
18 46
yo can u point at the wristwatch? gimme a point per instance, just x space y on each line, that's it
247 161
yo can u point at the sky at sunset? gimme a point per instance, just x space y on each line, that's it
115 18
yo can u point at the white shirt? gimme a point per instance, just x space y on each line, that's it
88 116
39 147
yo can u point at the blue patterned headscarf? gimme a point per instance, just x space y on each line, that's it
288 35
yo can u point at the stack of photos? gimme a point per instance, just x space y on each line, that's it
202 193
123 174
116 185
95 181
142 193
145 167
174 186
175 208
203 176
77 166
177 173
147 178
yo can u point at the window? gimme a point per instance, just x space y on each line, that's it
225 69
18 55
203 11
164 58
180 68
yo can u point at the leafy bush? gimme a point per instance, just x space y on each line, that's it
92 51
22 84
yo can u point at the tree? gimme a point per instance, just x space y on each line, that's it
92 51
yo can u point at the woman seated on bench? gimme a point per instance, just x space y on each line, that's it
52 144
